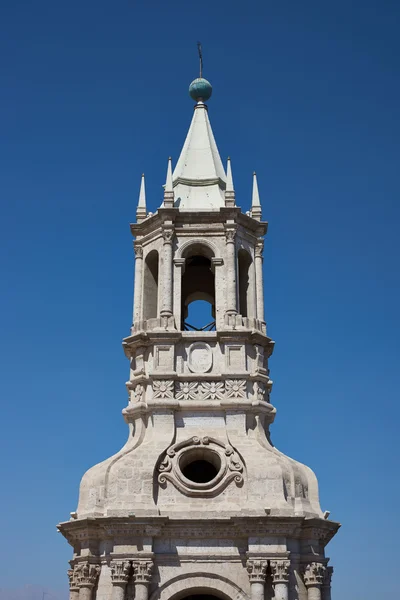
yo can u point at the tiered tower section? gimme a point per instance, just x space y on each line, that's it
199 501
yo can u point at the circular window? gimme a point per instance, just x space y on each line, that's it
200 465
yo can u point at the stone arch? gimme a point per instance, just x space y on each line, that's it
199 583
183 250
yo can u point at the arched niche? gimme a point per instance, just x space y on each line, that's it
150 285
198 280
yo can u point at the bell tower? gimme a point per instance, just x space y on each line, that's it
199 503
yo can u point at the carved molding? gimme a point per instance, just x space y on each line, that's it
86 574
228 460
314 574
120 571
280 571
143 570
257 570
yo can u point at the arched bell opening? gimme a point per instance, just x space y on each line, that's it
246 284
150 286
198 288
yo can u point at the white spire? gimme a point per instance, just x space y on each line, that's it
199 177
255 201
230 190
169 188
141 212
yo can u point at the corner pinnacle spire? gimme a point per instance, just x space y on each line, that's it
255 201
141 211
169 188
229 190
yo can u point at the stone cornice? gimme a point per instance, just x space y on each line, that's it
102 528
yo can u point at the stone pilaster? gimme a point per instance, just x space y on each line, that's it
257 570
73 584
326 586
258 260
313 578
280 578
143 570
138 291
231 297
120 571
87 574
166 310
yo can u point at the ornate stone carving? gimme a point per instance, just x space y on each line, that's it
230 235
211 390
143 570
200 358
328 577
87 574
120 571
221 455
259 249
72 579
280 571
257 570
235 388
138 250
138 392
186 390
314 574
259 390
163 388
168 235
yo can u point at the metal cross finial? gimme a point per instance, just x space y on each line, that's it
201 58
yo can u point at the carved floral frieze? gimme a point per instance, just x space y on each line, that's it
203 390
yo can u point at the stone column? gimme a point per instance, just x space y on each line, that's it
142 571
73 584
87 574
326 586
231 291
313 578
258 259
137 304
120 571
166 310
280 578
179 270
257 570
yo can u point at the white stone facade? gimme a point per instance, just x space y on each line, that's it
199 501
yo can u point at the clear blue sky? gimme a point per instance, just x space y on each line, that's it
305 93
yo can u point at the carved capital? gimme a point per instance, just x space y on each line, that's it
257 570
72 578
230 233
328 577
120 571
138 250
168 235
259 249
87 574
314 574
143 570
280 571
